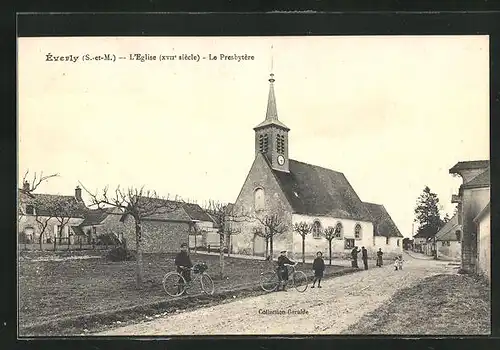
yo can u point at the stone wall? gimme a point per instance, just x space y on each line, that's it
484 247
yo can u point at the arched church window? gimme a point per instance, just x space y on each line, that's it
357 231
339 231
316 229
259 199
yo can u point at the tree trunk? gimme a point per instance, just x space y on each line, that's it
267 247
138 241
40 241
271 247
195 234
330 251
69 240
221 254
303 249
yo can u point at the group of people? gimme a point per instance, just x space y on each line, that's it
283 261
398 261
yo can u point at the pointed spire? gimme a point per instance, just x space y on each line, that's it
272 112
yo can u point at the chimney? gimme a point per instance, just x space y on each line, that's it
78 194
26 186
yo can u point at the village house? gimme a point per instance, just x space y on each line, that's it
103 226
482 221
473 197
448 240
46 213
167 229
297 192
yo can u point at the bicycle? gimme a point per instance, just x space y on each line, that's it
175 284
269 280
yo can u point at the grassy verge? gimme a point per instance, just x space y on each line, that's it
69 297
438 305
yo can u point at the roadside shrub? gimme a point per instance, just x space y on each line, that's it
120 254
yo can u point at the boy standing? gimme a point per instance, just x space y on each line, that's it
319 268
283 270
184 264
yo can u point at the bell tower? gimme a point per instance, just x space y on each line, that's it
271 136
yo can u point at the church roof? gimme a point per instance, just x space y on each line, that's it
382 221
313 190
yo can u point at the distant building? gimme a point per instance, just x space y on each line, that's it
472 198
103 225
448 240
300 192
45 212
166 230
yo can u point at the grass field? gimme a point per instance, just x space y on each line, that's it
439 305
51 290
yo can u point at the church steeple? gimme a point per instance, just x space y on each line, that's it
271 136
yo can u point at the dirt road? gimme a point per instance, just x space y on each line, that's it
330 310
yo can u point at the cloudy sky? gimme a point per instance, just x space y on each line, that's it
392 113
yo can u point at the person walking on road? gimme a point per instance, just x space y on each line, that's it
364 257
319 268
354 256
379 257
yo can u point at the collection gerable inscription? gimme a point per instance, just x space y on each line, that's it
146 57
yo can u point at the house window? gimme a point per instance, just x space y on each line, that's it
263 143
259 199
386 240
280 144
357 231
458 234
30 210
397 242
338 231
316 229
348 243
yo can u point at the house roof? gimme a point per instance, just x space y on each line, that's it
424 234
46 204
447 232
97 216
470 165
481 180
384 225
77 230
193 211
483 212
313 190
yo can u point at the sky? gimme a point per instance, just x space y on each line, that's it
393 113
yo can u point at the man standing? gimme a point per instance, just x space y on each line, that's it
184 264
364 257
283 270
354 257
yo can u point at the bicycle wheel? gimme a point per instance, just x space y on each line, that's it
174 284
269 281
207 284
300 281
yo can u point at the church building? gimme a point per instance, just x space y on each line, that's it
297 192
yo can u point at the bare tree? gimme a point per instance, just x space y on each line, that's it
36 180
42 221
329 234
224 217
265 235
303 229
274 225
63 211
139 204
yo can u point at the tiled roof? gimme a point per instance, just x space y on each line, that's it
382 221
195 212
96 216
469 165
447 232
482 180
313 190
45 204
